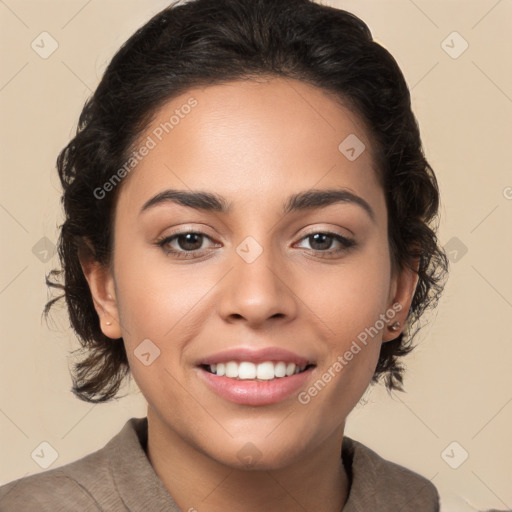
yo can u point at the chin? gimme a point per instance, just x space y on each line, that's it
256 456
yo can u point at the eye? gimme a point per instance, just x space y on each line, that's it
189 244
183 245
323 241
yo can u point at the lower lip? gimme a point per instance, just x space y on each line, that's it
254 392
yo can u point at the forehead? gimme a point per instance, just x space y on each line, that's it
252 141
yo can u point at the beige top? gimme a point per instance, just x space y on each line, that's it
119 478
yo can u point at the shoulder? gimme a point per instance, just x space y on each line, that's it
54 490
86 484
379 484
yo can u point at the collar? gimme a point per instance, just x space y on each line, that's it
374 483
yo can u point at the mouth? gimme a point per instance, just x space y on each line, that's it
247 377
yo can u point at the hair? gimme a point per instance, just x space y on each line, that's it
201 43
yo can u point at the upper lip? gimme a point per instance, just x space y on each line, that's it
256 356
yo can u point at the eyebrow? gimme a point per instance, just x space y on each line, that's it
307 200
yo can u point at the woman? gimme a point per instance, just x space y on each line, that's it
249 233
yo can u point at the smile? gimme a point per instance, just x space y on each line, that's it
246 370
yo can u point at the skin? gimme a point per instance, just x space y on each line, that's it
255 143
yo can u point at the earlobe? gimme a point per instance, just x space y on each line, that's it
101 285
404 289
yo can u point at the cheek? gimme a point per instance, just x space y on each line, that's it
349 297
167 304
155 295
350 301
158 304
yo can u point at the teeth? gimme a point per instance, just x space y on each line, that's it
246 370
232 369
280 369
290 369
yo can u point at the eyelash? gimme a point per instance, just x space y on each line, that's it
346 243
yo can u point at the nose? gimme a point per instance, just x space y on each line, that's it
257 292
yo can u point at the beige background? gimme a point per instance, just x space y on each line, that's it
459 385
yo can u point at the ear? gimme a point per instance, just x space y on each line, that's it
101 285
403 286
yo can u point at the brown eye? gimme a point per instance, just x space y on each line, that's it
188 244
322 242
190 241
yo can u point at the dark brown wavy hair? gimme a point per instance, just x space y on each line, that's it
205 42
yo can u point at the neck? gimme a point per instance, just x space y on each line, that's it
198 482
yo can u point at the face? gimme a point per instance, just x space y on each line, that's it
266 268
